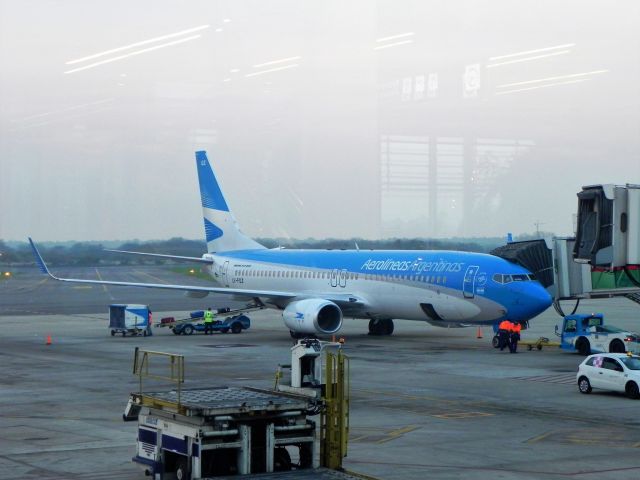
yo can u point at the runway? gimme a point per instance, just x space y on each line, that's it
425 402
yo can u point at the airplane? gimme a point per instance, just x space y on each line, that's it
317 289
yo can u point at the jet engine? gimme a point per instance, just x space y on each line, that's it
313 315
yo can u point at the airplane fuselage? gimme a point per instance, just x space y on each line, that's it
436 286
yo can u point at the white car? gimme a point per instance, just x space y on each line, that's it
618 372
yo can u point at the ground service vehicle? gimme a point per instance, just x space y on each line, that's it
618 372
587 333
231 324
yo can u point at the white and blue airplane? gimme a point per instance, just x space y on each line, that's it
317 289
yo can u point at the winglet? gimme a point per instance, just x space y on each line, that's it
39 260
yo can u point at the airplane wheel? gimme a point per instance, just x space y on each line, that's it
388 327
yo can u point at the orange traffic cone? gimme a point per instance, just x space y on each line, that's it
49 339
479 334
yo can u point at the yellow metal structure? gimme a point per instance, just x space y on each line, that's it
334 421
539 343
174 373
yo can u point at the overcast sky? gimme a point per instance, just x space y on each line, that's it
321 118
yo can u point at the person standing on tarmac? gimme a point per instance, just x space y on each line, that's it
514 337
208 321
504 330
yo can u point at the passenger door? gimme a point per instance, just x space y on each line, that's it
613 375
469 282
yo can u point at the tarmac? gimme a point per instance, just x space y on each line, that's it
426 402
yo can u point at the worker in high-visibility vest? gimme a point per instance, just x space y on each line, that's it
504 330
514 337
208 321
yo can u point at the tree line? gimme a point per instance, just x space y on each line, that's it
93 253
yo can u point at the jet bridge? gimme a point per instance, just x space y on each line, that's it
601 261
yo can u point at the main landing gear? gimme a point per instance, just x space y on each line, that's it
381 327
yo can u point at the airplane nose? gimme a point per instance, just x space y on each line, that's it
531 300
537 300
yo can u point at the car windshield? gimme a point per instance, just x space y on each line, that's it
632 363
608 329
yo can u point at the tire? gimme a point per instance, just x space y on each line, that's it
495 341
632 390
583 346
224 330
236 327
616 346
175 331
144 333
584 386
389 327
529 347
113 332
181 470
188 330
539 347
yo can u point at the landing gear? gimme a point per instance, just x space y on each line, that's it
381 327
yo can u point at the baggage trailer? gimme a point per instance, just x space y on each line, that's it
130 319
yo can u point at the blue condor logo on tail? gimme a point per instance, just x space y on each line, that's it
416 266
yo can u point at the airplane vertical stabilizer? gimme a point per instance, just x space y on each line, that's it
221 228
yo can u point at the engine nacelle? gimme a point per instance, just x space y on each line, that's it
313 315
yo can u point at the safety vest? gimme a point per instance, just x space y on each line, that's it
516 328
208 316
505 325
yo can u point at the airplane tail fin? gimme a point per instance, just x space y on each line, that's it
220 226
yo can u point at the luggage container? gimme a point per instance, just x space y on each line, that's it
130 320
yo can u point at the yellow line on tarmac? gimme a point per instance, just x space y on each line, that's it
150 276
103 286
539 437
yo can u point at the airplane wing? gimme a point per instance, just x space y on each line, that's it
160 255
349 303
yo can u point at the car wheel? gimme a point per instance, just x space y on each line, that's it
617 346
583 346
632 391
236 328
495 341
188 330
175 331
583 385
224 330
